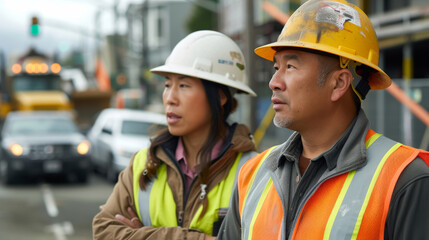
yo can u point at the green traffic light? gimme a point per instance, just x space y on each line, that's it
35 30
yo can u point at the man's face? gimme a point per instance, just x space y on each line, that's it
297 98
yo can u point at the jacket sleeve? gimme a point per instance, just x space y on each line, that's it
408 216
231 225
106 226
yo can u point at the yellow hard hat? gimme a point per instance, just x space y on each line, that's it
335 27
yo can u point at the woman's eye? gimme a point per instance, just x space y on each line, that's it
290 66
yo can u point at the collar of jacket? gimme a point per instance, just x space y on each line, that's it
347 153
239 139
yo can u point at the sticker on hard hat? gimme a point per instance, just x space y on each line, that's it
223 61
235 55
337 14
240 66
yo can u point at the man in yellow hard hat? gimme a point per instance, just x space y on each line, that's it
334 178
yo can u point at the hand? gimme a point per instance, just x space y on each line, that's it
207 237
134 222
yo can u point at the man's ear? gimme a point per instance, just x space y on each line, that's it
222 97
342 80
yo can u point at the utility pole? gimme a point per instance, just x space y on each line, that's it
145 25
117 43
97 34
116 18
250 46
145 51
2 77
407 66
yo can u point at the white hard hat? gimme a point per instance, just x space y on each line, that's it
210 56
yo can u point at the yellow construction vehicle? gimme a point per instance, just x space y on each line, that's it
35 84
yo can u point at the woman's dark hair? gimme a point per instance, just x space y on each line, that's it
218 130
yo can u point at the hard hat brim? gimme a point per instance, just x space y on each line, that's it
379 81
187 71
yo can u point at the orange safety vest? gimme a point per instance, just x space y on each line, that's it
352 205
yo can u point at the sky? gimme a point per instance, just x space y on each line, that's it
60 21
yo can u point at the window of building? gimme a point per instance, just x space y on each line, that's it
157 18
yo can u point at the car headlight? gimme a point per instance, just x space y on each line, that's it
18 149
83 147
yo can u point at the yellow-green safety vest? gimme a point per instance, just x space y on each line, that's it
156 206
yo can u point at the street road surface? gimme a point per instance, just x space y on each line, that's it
51 211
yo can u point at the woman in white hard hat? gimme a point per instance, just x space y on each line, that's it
180 187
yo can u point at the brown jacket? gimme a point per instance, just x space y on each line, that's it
106 226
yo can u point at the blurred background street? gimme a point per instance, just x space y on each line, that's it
91 58
51 210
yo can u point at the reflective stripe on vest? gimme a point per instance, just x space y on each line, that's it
156 206
346 217
148 205
353 205
137 165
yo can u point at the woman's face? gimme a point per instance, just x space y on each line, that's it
186 106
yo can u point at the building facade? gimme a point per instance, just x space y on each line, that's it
154 28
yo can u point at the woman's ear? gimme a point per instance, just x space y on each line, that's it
222 97
342 81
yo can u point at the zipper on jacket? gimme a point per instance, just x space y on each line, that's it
180 218
185 195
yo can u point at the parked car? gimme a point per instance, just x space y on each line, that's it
119 133
37 144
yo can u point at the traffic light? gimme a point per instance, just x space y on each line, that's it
35 28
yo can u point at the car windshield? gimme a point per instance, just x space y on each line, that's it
36 83
139 128
37 126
